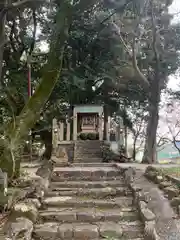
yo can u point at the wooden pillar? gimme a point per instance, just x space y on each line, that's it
107 131
61 131
121 135
100 128
68 131
117 133
75 127
55 133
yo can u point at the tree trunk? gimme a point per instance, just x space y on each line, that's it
46 137
134 149
17 131
150 143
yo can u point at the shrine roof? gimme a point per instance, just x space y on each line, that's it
88 108
79 105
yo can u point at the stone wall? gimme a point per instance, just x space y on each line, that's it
168 184
154 208
21 211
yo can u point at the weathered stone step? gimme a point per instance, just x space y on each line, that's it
68 201
92 192
78 173
94 155
59 178
88 150
84 231
92 164
87 159
87 215
87 184
88 142
99 171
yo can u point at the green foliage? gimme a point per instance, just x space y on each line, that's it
83 136
92 136
89 136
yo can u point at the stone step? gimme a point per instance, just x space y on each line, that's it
87 184
87 215
88 142
87 159
92 192
59 178
79 173
92 147
85 231
69 201
88 151
92 164
89 148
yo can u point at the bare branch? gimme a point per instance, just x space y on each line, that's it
141 76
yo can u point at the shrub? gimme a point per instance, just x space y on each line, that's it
92 136
83 136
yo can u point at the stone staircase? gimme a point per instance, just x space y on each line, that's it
88 203
88 151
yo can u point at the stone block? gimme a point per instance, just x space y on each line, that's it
66 231
3 182
3 189
165 184
86 216
175 201
146 214
20 228
34 201
159 178
86 231
60 216
105 192
110 230
171 192
60 155
47 231
57 201
150 231
27 210
151 175
132 230
99 173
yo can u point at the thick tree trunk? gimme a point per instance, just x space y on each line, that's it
150 143
17 131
